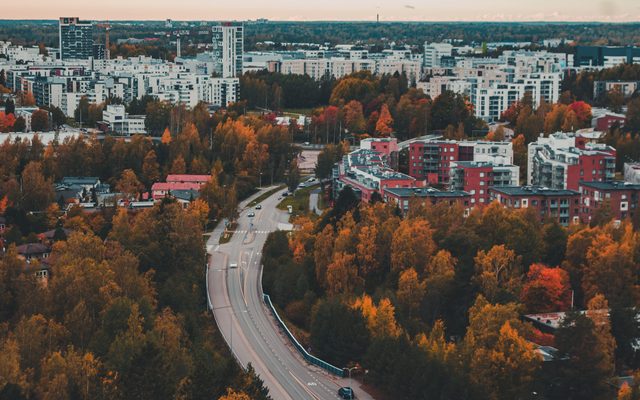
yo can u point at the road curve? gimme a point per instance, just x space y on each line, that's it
235 291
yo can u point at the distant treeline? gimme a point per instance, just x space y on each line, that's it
372 33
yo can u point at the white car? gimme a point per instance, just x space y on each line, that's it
251 214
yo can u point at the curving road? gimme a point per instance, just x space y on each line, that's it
235 292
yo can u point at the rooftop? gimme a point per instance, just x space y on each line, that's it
187 178
532 191
615 185
425 192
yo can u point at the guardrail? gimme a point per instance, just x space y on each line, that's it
310 358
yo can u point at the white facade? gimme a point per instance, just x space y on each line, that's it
122 123
433 53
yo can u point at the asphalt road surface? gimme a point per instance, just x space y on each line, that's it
248 327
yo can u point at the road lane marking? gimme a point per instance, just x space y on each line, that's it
304 386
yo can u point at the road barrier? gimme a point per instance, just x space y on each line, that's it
310 358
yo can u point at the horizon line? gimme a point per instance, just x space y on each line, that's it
337 21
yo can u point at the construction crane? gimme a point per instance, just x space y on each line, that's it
107 28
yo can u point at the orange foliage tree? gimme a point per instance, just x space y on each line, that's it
546 289
384 126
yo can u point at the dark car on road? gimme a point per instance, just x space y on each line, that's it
346 392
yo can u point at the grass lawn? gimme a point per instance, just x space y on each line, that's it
264 195
299 201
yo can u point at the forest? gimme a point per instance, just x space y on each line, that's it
436 294
124 312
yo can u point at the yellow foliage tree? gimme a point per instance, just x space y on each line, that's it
233 395
598 312
498 269
410 290
342 274
412 245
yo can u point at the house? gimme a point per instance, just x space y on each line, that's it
52 235
184 178
35 256
185 197
79 189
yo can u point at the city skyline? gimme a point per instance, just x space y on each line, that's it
358 10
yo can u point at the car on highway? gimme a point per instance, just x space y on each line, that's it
259 207
346 392
251 214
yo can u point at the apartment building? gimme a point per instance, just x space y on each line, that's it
560 205
622 198
476 177
562 161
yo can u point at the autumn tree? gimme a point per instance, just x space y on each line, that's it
609 270
354 117
412 245
439 282
37 191
546 289
384 126
150 169
40 121
342 274
586 369
411 290
129 185
507 369
598 312
494 340
380 318
233 395
293 175
497 271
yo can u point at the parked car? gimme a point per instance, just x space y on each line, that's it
285 194
259 207
251 214
346 392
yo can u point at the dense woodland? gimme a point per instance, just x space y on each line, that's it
440 295
124 313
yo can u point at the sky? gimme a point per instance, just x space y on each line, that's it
333 10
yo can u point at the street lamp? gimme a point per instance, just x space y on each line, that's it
351 369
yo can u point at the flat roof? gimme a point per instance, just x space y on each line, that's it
532 191
425 192
615 185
